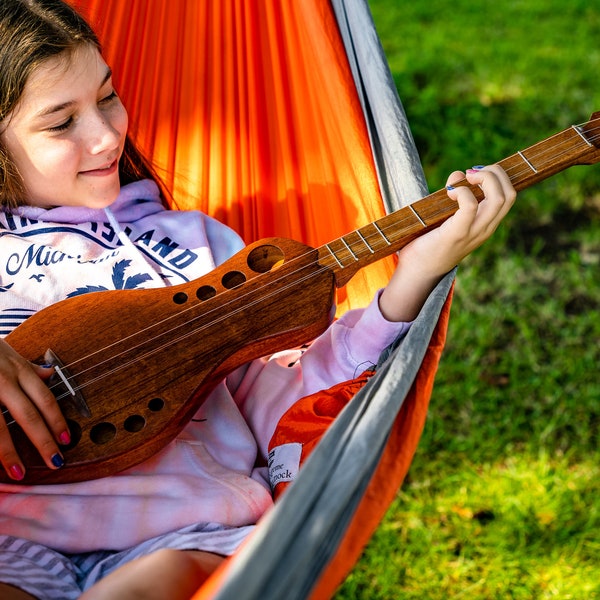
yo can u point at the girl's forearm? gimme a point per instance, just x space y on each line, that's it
405 294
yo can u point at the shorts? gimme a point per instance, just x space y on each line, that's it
50 575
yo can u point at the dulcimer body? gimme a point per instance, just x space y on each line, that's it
142 361
133 366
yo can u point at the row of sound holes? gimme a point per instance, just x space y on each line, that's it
206 292
104 432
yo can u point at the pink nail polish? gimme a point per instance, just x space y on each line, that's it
64 438
16 472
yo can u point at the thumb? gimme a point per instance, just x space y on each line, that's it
43 371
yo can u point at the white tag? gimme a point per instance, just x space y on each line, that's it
284 463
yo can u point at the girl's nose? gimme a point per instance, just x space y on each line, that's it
103 135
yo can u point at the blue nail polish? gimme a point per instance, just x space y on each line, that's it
478 167
449 187
58 461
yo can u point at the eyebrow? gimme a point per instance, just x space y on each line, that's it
50 110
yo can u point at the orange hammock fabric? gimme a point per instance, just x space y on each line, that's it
250 113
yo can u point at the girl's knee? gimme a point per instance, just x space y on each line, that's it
166 573
193 564
8 592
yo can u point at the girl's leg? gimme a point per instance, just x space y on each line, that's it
8 592
173 574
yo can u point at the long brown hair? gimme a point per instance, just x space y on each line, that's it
31 32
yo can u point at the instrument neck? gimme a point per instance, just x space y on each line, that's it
353 251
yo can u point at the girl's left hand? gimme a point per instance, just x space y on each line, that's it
424 261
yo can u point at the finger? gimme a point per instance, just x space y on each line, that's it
455 177
510 194
475 221
494 182
498 195
20 410
26 414
46 402
8 455
464 217
35 409
35 387
44 372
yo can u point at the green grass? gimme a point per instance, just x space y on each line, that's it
503 497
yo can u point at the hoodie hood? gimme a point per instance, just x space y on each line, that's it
135 201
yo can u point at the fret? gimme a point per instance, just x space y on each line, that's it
344 251
360 235
348 248
337 260
417 215
526 161
580 134
381 234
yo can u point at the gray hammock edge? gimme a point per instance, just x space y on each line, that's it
294 542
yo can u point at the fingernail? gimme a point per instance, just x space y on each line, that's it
58 461
46 366
64 438
449 187
475 169
16 472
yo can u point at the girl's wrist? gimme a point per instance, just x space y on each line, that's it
405 294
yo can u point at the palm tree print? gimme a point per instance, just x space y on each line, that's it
120 282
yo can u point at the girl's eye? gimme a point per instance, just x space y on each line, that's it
108 98
66 124
63 126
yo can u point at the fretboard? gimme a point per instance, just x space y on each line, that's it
346 255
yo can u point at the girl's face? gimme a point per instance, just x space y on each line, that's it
67 133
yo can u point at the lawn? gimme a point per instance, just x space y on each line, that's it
503 497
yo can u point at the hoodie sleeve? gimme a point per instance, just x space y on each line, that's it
267 387
224 242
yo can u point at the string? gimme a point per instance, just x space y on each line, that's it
532 157
522 169
371 240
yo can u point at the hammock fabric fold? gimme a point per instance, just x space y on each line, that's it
281 119
250 113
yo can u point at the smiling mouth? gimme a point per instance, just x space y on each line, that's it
102 171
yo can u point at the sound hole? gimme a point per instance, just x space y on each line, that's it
102 433
180 298
206 292
134 423
233 279
265 258
156 404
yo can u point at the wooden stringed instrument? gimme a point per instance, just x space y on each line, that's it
133 366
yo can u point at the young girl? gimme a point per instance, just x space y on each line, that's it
73 188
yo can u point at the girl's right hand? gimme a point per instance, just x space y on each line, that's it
32 405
